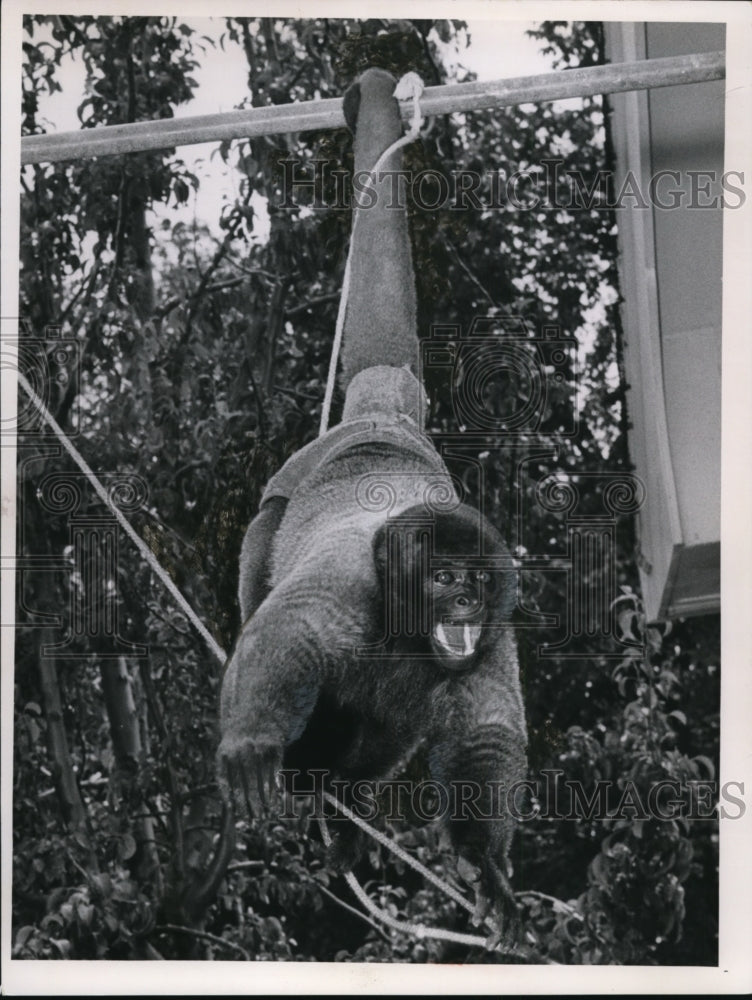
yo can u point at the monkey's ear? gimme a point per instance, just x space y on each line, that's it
351 106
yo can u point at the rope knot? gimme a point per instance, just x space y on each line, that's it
410 88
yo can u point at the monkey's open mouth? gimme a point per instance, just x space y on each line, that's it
457 641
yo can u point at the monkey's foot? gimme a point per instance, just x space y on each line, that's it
495 903
347 848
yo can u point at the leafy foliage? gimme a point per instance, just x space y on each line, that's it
202 364
651 846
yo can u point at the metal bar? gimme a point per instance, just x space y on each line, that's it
327 114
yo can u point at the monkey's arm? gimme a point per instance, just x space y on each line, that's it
305 632
255 556
268 692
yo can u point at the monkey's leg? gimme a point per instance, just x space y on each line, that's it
477 750
347 847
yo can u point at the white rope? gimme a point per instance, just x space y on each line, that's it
140 544
419 931
409 86
401 853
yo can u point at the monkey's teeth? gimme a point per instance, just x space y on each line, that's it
472 634
461 640
441 636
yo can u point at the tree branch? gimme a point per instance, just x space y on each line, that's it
292 311
350 909
179 300
204 936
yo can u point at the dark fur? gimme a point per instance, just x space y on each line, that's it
308 684
412 548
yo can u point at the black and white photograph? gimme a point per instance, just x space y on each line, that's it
376 435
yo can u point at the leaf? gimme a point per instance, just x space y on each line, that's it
598 869
63 946
655 638
127 847
707 763
23 935
181 190
103 884
679 716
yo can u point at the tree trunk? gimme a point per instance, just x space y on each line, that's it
69 796
125 732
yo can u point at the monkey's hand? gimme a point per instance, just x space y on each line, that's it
248 775
495 905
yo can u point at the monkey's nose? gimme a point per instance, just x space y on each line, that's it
466 602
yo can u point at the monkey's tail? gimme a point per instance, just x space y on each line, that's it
380 326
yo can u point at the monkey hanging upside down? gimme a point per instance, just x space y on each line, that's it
373 600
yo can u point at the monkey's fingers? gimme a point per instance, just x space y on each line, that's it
495 905
228 782
250 797
261 782
248 776
506 914
471 872
238 789
267 777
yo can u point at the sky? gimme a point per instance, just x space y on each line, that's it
497 49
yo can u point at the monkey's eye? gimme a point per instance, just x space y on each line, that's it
443 576
483 576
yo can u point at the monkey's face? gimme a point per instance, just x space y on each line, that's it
459 599
445 583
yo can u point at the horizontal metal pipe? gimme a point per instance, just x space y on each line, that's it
326 114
